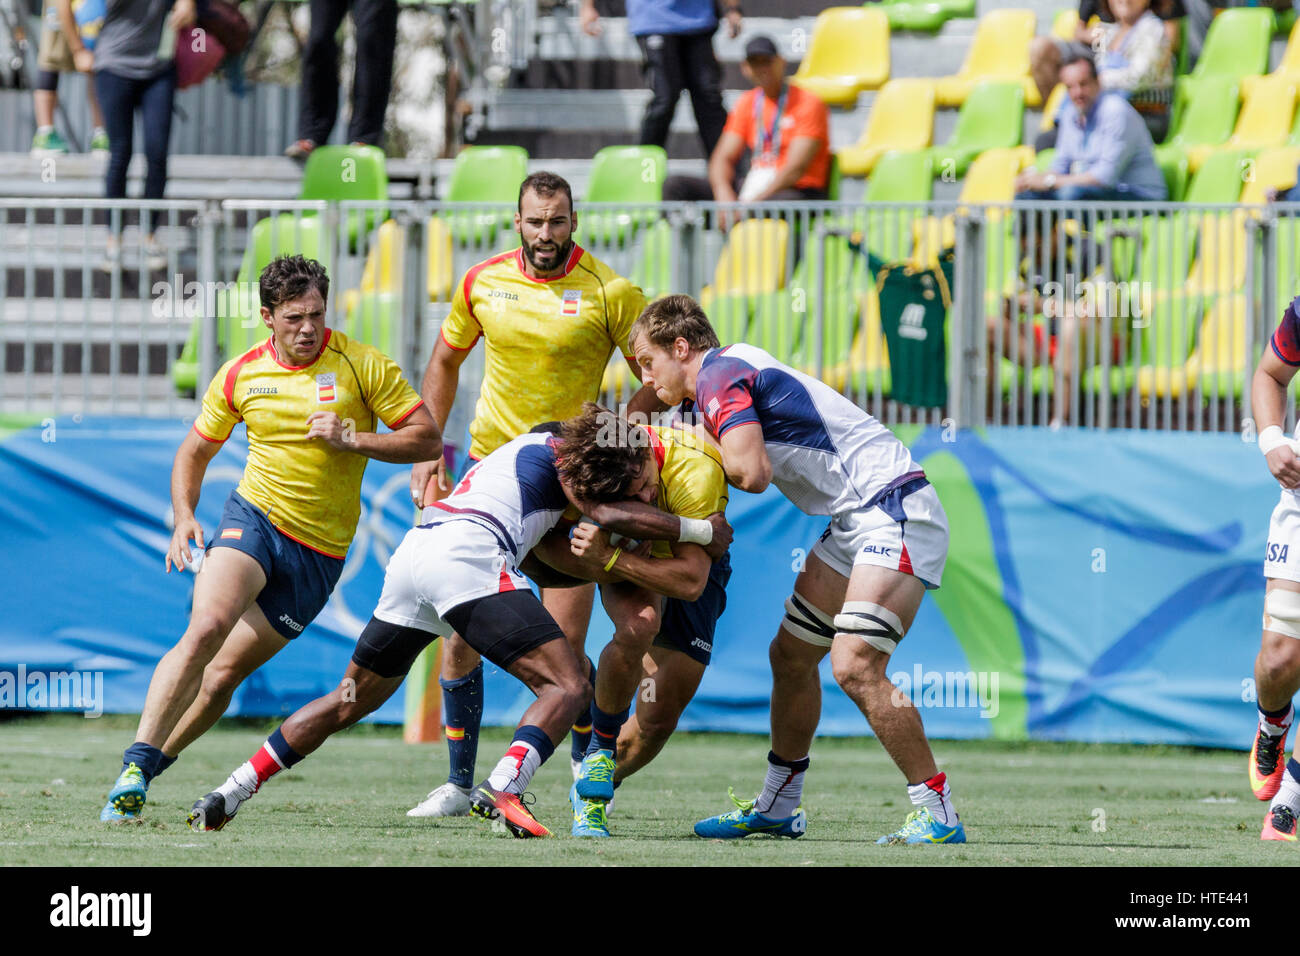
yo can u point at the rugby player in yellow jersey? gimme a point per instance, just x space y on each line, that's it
312 400
668 641
550 315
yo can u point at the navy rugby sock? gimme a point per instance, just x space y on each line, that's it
462 713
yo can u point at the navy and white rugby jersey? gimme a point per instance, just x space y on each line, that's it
828 456
515 491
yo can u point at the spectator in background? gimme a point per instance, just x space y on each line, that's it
375 22
1103 151
676 41
134 62
55 56
1134 51
785 129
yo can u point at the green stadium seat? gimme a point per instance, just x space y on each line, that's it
631 175
653 268
1208 117
348 173
1172 161
1236 44
898 178
925 16
485 174
992 117
1219 180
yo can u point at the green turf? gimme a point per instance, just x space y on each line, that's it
1030 804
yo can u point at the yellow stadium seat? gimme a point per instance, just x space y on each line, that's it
849 53
753 259
999 51
439 267
1272 169
1065 23
382 271
1289 67
1218 363
990 179
1264 121
1220 265
902 118
868 361
1050 108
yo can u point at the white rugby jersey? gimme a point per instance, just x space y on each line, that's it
514 492
828 456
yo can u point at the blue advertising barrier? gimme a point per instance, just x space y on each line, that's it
1100 586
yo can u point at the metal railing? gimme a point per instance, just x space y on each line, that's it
1145 316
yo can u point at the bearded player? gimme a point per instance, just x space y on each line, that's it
863 583
1277 667
311 399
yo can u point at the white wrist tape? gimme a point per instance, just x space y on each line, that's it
1272 437
695 531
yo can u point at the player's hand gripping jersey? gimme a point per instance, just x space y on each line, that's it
548 340
828 456
310 491
692 482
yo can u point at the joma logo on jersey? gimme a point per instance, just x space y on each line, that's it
1277 552
286 619
264 390
502 294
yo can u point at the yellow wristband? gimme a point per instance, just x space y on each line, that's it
610 565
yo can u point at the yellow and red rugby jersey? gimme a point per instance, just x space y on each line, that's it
309 491
548 340
692 481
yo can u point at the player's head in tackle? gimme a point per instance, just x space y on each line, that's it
669 340
601 457
545 221
294 291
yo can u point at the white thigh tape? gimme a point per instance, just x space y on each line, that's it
878 626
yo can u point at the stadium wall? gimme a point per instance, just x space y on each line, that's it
1100 586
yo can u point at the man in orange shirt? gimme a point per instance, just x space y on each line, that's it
786 131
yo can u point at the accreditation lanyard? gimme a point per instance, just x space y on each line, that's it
769 139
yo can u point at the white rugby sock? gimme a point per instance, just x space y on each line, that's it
239 786
782 788
1289 793
937 796
1277 726
513 771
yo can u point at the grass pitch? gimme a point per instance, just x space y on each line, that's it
1023 804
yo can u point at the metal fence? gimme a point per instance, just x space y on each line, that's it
1144 316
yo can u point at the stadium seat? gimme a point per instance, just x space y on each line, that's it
990 179
999 52
899 178
372 311
1236 44
1264 121
992 117
1273 169
1288 67
484 174
1206 119
1219 180
632 175
868 363
848 53
1065 23
1173 163
440 268
1052 107
653 268
753 261
925 16
348 173
1218 363
901 118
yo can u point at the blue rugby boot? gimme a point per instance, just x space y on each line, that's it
921 827
126 799
746 821
589 818
596 780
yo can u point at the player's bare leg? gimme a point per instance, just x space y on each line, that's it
571 608
673 678
1277 678
224 589
252 642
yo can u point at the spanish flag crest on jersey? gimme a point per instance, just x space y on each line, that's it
325 387
572 302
